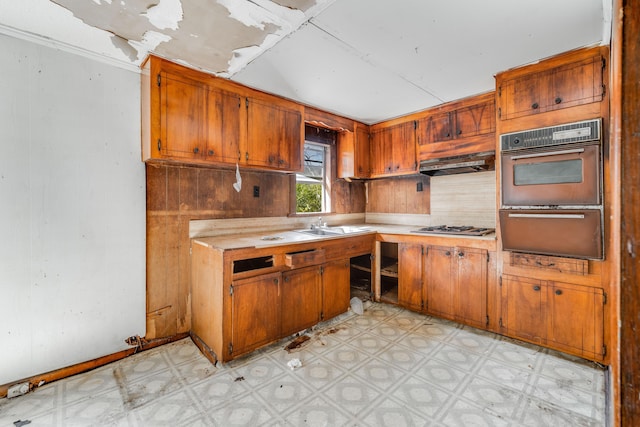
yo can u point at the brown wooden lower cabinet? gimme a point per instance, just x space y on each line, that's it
243 299
564 316
300 299
470 301
411 293
255 312
336 288
448 282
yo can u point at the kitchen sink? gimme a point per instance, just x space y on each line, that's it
333 231
320 232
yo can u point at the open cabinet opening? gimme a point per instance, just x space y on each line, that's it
389 272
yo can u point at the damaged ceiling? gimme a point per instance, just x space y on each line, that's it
367 60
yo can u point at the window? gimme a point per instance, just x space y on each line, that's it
312 193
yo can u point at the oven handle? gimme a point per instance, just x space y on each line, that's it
552 216
548 153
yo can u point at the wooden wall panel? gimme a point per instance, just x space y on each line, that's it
348 197
630 229
399 195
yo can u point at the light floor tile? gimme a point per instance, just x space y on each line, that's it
387 367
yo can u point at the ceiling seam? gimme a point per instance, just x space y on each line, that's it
375 64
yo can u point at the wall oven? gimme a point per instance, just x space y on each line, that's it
552 190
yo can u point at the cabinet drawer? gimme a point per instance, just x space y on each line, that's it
349 247
562 265
304 258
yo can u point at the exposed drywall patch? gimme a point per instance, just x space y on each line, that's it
302 5
201 33
248 13
125 47
165 15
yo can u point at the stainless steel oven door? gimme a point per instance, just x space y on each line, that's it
568 175
560 232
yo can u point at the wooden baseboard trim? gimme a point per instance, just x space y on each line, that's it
204 349
38 380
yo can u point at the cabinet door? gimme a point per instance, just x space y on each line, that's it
521 96
362 152
404 147
181 113
393 150
410 286
336 288
300 299
381 152
439 127
346 157
524 303
441 272
576 84
576 316
255 312
274 136
473 120
222 126
568 85
471 287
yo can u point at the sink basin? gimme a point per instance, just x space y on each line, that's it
320 232
334 231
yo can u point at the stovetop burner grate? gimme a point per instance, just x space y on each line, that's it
455 229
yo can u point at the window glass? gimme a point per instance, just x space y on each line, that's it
311 185
561 172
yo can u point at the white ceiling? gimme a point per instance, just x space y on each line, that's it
369 60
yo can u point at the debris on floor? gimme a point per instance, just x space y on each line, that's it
297 343
356 305
294 363
239 379
21 423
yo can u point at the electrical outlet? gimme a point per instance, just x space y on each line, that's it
256 191
419 187
18 390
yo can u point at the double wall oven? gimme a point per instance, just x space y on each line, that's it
552 190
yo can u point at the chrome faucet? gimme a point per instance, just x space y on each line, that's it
319 224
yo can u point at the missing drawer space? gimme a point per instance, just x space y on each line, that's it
249 264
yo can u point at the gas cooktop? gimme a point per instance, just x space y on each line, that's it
466 230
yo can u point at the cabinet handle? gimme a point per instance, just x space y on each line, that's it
558 100
448 134
246 155
211 152
536 288
460 254
541 264
196 150
535 105
459 131
447 253
286 279
275 281
558 292
159 144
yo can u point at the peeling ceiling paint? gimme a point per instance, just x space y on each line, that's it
367 60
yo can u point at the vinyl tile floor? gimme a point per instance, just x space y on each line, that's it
387 367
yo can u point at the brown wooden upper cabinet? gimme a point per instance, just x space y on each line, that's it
393 149
353 153
275 133
457 128
193 117
565 81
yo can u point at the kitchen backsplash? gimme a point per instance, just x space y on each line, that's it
464 199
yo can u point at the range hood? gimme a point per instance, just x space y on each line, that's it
459 164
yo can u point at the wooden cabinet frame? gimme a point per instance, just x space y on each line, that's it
229 317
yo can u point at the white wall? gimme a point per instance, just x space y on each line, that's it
72 209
